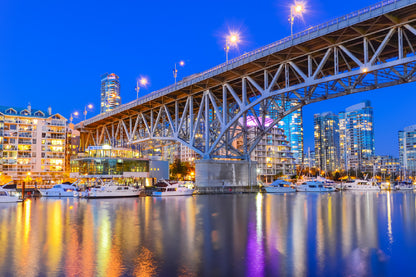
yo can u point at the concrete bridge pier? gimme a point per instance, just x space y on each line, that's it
218 173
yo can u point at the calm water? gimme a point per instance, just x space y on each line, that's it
343 234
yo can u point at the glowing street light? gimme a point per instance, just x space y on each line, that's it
142 82
175 71
231 40
295 10
74 114
87 107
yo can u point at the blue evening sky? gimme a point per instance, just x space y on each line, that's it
52 53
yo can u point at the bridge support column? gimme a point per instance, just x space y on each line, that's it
218 173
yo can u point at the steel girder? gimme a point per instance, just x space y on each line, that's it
214 123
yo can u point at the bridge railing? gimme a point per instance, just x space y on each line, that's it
191 78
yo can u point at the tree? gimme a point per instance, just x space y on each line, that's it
179 169
4 179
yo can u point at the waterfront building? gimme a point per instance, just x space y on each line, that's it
356 129
407 149
326 138
110 92
385 165
272 154
120 164
71 145
292 126
32 144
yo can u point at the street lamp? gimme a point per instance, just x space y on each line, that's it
175 71
89 106
72 116
295 10
231 40
140 82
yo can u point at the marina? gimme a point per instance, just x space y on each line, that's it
349 234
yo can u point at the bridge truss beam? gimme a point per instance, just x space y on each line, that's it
215 122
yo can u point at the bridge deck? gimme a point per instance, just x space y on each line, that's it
366 21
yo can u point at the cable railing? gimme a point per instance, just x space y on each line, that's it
187 80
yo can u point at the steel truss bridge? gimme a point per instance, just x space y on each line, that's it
208 112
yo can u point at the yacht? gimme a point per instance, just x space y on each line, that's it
403 185
5 197
358 184
60 190
170 188
112 191
328 182
385 185
281 186
314 186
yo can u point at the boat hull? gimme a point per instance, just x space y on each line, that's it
361 188
315 190
172 193
112 194
9 199
278 190
56 193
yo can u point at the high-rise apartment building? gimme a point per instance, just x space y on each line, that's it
272 153
407 149
357 136
326 138
32 143
292 126
110 92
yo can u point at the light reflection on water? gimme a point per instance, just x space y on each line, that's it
348 234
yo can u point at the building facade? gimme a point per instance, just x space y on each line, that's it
385 165
356 136
272 154
121 165
407 149
110 92
326 139
292 126
32 144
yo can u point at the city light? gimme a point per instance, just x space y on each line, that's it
232 40
175 70
296 10
74 114
87 107
142 82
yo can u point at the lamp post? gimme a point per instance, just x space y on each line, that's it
140 82
295 10
72 116
175 71
89 106
231 40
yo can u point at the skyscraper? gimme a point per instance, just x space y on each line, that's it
407 149
357 136
110 92
326 138
292 126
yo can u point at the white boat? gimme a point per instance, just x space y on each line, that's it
169 188
5 197
279 186
403 185
360 185
60 190
385 186
328 182
112 191
314 186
